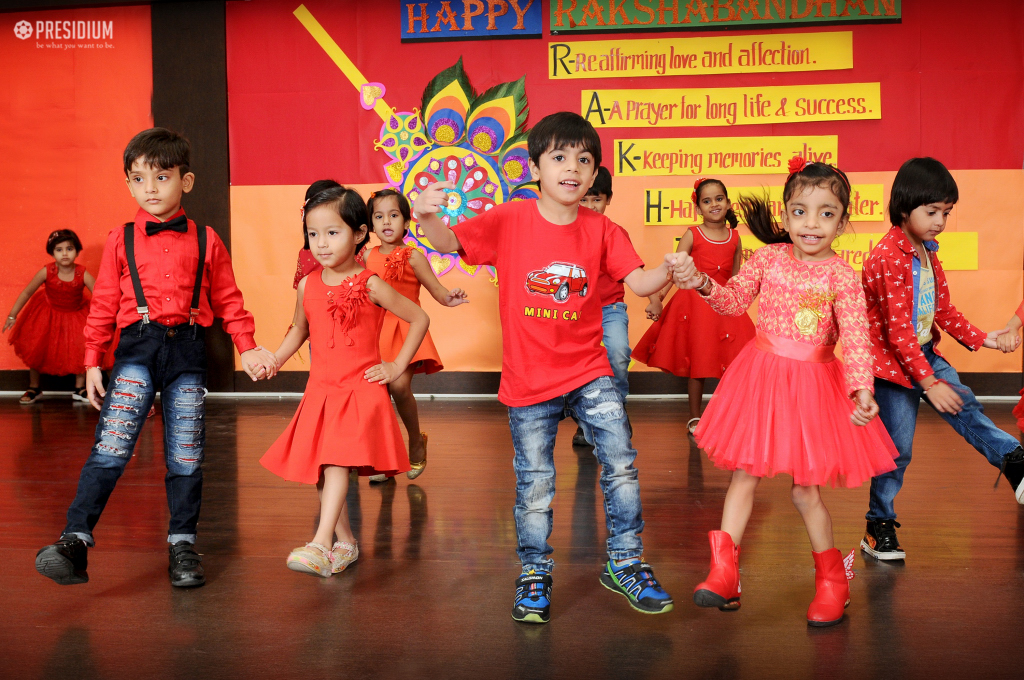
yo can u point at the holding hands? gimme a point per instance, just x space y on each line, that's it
1006 340
259 363
866 408
683 271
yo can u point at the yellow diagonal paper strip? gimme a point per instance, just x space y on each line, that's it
339 57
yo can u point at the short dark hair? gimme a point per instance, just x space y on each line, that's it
60 236
348 204
920 181
318 186
403 203
562 130
161 148
602 183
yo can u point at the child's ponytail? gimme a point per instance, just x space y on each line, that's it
731 219
758 217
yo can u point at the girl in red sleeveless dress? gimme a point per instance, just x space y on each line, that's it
344 420
406 269
48 333
689 338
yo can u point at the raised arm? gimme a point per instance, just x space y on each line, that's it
387 297
448 298
425 209
32 287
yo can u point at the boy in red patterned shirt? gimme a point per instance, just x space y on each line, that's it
908 302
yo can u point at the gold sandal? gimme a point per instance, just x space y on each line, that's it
417 468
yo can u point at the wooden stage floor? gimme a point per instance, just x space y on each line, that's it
431 593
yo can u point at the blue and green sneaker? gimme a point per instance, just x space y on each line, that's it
533 597
635 580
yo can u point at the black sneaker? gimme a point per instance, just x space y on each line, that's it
65 561
880 540
185 567
533 598
635 581
1013 470
580 439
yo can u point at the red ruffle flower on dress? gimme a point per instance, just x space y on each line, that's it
342 304
394 263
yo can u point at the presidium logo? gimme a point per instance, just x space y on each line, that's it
65 30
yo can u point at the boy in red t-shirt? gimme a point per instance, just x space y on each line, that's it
549 254
162 281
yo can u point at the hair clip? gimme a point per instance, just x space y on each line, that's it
693 196
797 164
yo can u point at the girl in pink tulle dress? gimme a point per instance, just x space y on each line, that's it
784 405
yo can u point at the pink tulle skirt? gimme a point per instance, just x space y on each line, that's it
774 414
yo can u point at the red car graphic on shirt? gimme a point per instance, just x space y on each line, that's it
559 280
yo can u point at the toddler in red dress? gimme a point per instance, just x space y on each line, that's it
784 404
344 420
48 336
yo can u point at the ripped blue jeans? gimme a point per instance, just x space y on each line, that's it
149 358
597 407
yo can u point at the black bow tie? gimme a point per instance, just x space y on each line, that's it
178 224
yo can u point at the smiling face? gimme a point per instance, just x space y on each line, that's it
332 241
388 221
65 253
713 203
565 175
596 202
926 222
814 216
158 190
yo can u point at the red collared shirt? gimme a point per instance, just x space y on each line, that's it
167 264
889 287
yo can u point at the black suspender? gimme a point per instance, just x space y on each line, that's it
140 298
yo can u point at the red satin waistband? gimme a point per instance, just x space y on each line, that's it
794 349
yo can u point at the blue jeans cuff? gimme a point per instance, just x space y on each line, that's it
175 538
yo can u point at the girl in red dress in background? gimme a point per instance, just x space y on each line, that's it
344 420
48 334
688 338
406 269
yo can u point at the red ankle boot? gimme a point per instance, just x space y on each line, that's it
722 587
831 589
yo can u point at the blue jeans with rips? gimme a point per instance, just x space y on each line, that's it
598 407
898 406
615 323
149 358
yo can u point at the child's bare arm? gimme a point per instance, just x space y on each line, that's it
298 332
448 298
647 282
387 297
31 288
89 281
425 208
1009 341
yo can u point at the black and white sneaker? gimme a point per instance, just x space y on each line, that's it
880 540
1013 470
65 561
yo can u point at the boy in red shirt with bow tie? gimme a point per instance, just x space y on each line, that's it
162 281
